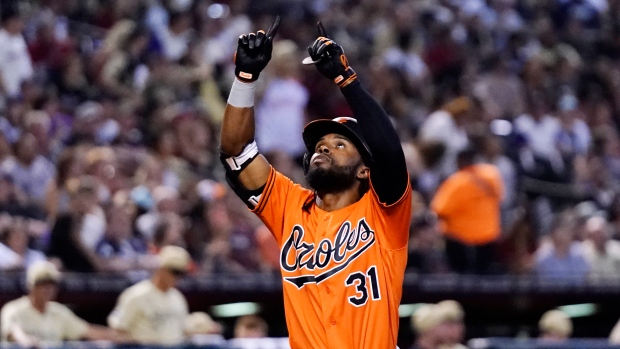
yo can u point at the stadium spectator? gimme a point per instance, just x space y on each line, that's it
15 64
561 259
120 248
555 326
448 126
424 322
601 251
30 170
426 247
517 248
15 248
35 320
451 328
165 200
468 207
69 165
501 90
153 311
280 117
250 326
169 231
66 241
14 202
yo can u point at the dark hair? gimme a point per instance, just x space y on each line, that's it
466 157
8 12
565 218
160 231
66 158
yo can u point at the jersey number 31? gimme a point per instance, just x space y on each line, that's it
358 279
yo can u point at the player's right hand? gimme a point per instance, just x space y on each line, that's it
254 52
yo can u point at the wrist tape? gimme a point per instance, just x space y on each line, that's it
242 94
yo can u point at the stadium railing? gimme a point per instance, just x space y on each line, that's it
207 342
532 343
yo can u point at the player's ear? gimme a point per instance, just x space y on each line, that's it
363 172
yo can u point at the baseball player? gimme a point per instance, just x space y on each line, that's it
343 245
35 319
153 311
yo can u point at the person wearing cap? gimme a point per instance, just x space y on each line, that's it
424 323
343 242
451 328
153 311
36 319
555 326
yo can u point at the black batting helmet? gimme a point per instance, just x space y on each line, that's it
345 126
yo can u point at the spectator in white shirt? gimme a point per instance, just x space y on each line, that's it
280 117
15 239
539 127
15 63
601 251
447 126
175 38
29 169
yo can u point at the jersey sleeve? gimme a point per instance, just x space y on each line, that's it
279 194
74 327
7 320
123 314
395 219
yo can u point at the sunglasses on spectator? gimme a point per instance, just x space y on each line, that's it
177 272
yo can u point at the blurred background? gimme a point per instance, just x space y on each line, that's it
109 124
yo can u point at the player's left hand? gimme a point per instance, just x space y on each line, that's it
330 60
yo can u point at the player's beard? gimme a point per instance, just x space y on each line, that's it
333 179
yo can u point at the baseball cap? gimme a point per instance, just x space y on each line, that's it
557 322
345 126
174 258
450 310
42 271
425 318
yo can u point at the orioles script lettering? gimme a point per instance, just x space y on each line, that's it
348 244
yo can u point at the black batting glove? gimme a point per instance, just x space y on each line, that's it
330 60
254 52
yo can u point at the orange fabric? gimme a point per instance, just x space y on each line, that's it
468 204
343 270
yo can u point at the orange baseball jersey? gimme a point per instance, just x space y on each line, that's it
342 270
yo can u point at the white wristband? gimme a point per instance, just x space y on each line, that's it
242 94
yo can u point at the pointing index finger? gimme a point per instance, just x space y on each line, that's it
321 29
274 28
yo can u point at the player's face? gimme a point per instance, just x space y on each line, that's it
335 165
45 291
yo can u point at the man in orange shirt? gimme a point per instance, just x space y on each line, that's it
468 206
343 245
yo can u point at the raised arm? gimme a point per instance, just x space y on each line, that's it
388 171
246 170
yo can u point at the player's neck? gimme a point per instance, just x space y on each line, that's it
38 304
159 282
335 201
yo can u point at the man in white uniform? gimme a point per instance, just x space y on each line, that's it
154 311
35 319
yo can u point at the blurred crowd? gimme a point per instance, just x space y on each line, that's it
110 114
